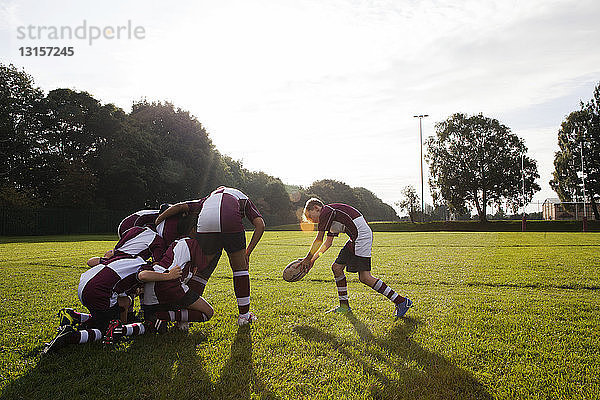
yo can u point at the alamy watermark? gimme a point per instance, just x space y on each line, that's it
89 33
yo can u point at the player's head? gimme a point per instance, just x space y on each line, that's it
312 209
186 226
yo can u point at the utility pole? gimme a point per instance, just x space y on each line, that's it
524 219
421 141
584 221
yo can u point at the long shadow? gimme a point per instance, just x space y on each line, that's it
238 379
147 367
419 373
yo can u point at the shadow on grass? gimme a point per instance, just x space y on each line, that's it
149 367
238 379
419 373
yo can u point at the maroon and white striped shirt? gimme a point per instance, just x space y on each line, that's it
339 218
100 285
223 211
187 254
141 242
139 218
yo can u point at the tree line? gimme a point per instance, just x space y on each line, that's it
65 149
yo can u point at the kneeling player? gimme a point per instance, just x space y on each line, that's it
167 299
355 255
103 291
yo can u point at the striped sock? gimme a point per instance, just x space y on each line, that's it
134 329
197 284
241 287
387 291
85 336
184 315
342 288
81 317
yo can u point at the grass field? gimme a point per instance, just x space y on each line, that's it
496 315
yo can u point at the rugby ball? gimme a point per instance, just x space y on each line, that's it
293 271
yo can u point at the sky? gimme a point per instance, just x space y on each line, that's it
307 90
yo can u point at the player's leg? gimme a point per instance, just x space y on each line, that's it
402 303
68 335
199 280
235 246
340 278
241 285
340 283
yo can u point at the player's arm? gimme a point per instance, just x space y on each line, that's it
175 209
153 276
259 229
92 262
124 303
316 245
324 247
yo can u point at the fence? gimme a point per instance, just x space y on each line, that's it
58 221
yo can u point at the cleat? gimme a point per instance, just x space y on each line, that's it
66 317
114 332
183 326
160 326
245 319
341 309
60 340
402 308
156 326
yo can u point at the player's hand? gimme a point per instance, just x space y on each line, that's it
175 272
306 264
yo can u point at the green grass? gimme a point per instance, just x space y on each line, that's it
497 315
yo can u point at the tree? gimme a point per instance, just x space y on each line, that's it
76 129
20 120
580 127
476 161
410 202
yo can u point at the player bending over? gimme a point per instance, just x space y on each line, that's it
355 256
220 227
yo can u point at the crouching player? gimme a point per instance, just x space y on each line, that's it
167 299
103 290
355 256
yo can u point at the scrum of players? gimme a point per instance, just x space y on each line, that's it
184 242
165 257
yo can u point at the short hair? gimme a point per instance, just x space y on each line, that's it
311 203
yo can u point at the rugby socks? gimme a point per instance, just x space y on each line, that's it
241 287
184 315
342 288
81 317
197 284
85 336
133 329
387 291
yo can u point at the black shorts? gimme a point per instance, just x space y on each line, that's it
352 262
190 297
101 318
212 243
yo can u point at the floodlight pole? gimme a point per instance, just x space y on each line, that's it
524 219
421 141
584 220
